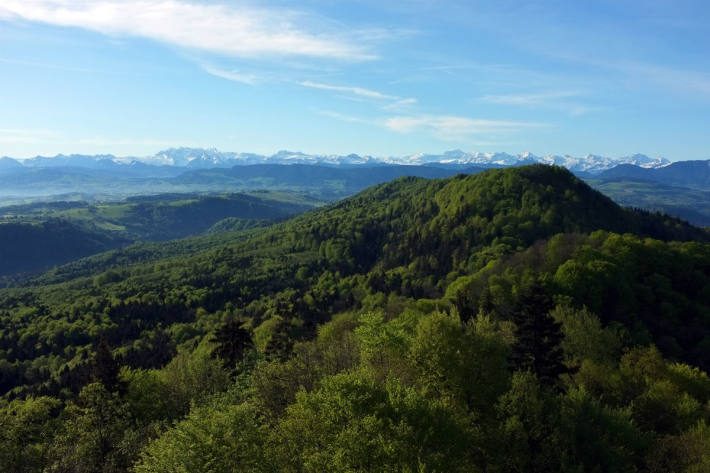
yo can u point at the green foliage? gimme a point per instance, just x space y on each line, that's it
382 332
382 346
585 338
352 424
598 438
465 364
26 426
688 452
216 438
95 434
529 427
192 375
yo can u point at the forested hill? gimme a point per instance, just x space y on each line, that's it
37 236
475 323
28 246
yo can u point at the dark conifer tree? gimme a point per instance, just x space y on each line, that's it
538 336
281 342
233 341
465 306
105 368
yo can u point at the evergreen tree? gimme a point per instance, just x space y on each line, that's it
105 368
465 306
538 337
233 341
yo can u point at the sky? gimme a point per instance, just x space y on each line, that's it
373 77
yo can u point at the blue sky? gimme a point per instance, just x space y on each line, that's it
385 78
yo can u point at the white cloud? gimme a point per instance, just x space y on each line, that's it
359 91
213 27
451 127
234 76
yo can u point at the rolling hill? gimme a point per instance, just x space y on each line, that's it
471 319
28 247
37 236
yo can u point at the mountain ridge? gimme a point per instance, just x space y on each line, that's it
691 174
206 158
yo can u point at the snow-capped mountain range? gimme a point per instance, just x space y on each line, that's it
591 163
199 158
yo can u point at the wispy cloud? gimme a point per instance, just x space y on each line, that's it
444 127
344 118
359 91
388 102
681 80
400 105
540 98
451 127
555 100
234 76
213 27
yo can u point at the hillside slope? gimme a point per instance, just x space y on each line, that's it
413 236
692 174
690 204
40 235
36 246
478 321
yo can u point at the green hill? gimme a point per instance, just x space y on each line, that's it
463 324
41 235
28 246
689 204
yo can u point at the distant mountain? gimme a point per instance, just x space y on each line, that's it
191 157
691 174
199 158
160 164
591 163
9 164
628 171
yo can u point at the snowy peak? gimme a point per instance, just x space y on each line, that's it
644 161
191 157
591 163
203 158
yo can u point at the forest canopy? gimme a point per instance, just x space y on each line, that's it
515 320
